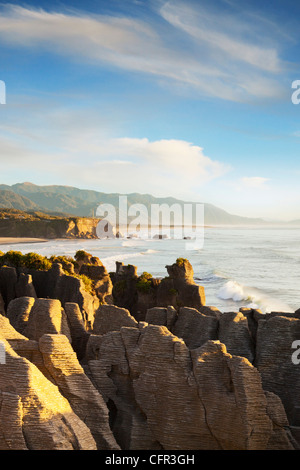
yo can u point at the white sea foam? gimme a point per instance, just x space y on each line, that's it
255 298
232 290
149 252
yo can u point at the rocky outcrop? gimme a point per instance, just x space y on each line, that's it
212 400
34 415
234 332
194 327
275 337
18 312
112 318
54 284
141 293
46 316
187 378
24 286
62 363
48 227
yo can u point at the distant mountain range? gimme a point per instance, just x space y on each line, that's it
68 200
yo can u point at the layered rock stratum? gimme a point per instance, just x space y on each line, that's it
80 371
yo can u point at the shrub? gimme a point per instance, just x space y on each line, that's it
144 282
181 261
35 261
12 258
80 255
66 261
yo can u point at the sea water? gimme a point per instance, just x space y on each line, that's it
238 267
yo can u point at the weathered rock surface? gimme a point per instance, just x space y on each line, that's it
34 415
275 337
74 385
24 286
234 332
194 327
177 290
8 281
18 312
90 376
46 316
79 335
112 318
177 400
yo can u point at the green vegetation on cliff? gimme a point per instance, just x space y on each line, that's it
36 224
38 262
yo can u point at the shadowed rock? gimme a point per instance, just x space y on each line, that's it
234 332
78 332
74 385
112 318
8 281
18 312
194 327
25 287
165 396
275 337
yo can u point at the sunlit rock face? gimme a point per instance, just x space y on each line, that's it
34 414
166 396
79 375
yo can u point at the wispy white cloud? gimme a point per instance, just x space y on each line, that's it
76 149
257 182
218 59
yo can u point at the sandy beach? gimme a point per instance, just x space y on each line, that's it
15 241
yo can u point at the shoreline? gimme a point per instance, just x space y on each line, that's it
17 241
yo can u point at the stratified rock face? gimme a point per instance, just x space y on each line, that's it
234 332
177 290
18 312
34 415
78 333
194 327
2 306
275 337
8 280
165 396
11 414
102 283
46 316
24 286
62 363
112 318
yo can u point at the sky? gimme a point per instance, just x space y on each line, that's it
190 99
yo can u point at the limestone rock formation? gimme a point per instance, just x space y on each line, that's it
46 316
141 293
234 332
24 286
2 306
275 337
163 396
74 385
112 318
8 280
79 335
194 327
18 312
34 415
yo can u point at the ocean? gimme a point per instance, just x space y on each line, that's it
237 266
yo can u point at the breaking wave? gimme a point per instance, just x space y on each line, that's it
232 290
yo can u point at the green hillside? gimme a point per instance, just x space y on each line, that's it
83 203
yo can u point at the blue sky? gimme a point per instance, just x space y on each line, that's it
190 99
